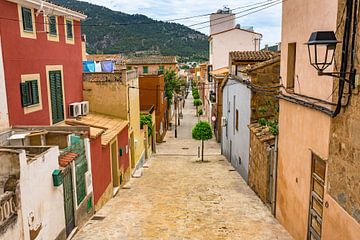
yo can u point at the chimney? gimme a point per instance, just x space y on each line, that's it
222 20
266 47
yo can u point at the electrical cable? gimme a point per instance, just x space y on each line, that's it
244 15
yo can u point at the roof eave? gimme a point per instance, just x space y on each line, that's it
56 9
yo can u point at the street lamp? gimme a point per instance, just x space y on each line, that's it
321 48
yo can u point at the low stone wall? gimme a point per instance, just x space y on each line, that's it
261 152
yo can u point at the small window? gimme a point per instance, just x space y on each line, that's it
128 68
161 69
69 29
237 120
27 19
145 69
291 62
29 93
52 25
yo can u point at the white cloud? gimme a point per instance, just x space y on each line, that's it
267 22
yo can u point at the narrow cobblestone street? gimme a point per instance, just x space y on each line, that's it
180 198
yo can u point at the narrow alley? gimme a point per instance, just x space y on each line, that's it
179 197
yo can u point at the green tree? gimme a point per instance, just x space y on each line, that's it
146 119
202 132
171 83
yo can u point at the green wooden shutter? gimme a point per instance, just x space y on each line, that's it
145 69
69 29
34 91
25 94
57 106
52 25
27 19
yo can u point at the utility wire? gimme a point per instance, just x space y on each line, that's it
244 15
236 13
208 14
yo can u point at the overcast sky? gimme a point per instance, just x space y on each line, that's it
267 22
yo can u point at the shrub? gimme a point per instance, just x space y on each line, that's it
197 102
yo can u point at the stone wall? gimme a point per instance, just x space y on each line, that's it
261 152
344 154
266 75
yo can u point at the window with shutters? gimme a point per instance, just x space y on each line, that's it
56 95
69 31
161 69
27 19
52 22
30 92
52 25
145 69
27 24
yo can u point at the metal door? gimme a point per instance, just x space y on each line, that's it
68 201
318 171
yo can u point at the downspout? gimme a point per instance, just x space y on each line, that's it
344 56
273 210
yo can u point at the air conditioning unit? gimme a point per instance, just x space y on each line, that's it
75 109
84 108
88 182
223 121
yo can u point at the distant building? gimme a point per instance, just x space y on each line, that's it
226 36
152 93
152 64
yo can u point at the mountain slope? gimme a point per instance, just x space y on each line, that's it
139 34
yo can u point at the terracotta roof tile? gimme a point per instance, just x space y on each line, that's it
252 55
152 60
105 125
67 158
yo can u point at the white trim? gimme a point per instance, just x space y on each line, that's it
38 106
4 114
54 9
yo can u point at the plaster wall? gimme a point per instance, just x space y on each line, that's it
42 204
149 96
4 115
338 224
221 22
235 40
236 143
301 132
109 98
134 108
307 13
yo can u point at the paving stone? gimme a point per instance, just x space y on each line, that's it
179 198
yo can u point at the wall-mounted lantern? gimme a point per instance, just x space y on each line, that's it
321 47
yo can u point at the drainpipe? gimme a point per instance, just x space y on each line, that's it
273 210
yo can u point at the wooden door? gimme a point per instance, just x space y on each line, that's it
68 201
114 162
56 96
317 189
